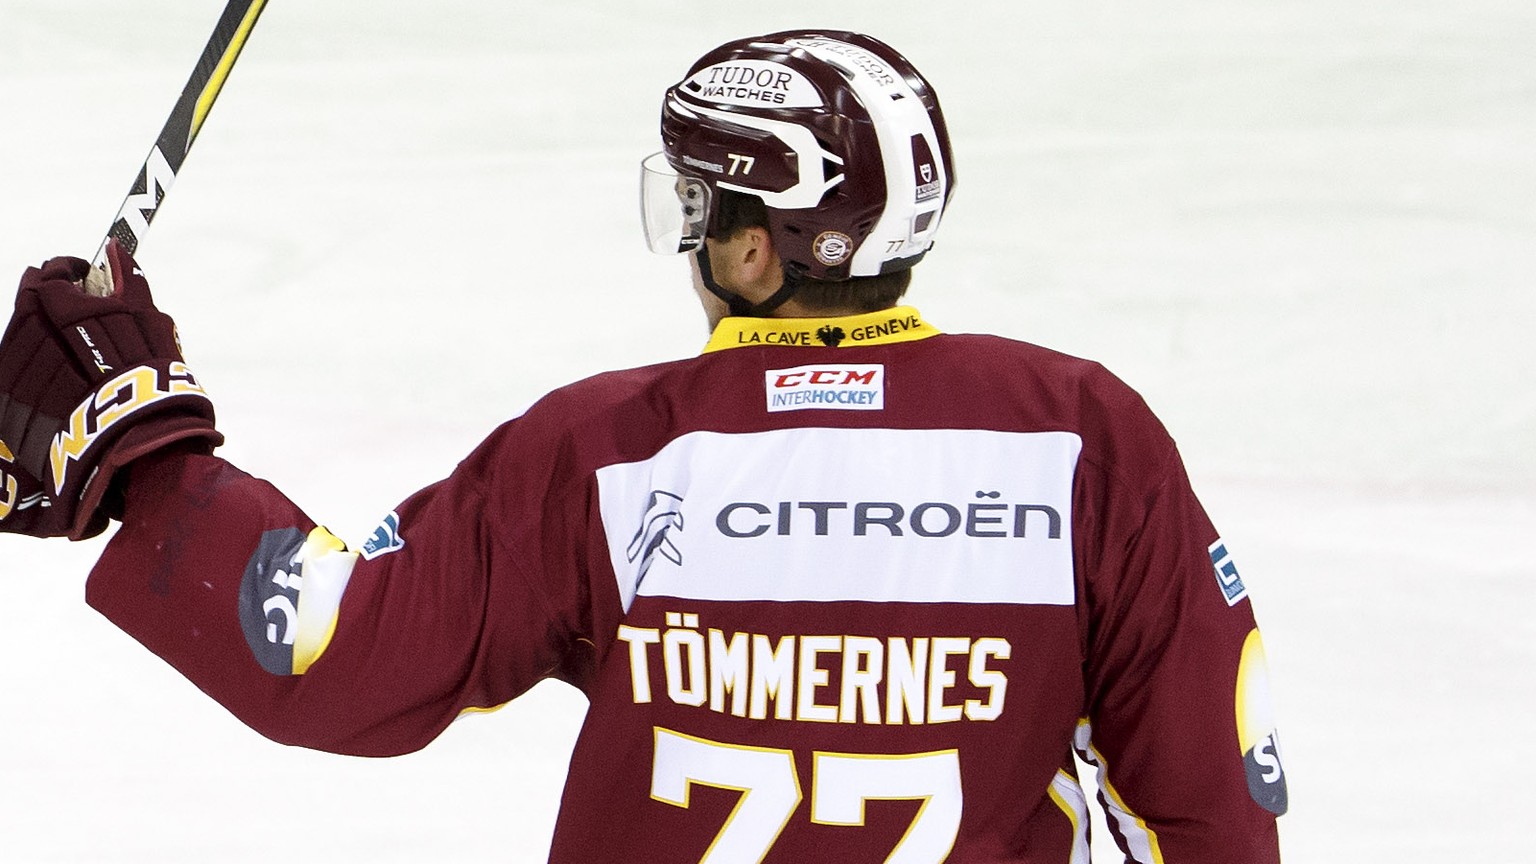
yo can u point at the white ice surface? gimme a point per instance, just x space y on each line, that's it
1305 231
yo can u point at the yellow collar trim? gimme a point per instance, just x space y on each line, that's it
901 324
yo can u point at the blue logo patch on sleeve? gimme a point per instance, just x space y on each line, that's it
1226 574
385 539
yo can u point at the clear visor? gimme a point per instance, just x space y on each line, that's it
674 208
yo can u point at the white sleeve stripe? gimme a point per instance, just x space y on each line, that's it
1069 796
1137 841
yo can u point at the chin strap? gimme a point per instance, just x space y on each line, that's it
740 306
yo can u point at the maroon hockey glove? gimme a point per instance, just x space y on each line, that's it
87 385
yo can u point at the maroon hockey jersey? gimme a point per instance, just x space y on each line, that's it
850 590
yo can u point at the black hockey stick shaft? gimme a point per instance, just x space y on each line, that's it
181 128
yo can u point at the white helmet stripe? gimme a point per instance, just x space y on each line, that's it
897 114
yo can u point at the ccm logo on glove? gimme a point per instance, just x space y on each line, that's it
121 397
8 484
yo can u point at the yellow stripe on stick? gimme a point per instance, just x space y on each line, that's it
221 71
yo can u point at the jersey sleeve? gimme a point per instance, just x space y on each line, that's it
1178 720
446 609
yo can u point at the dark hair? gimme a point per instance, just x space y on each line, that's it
734 211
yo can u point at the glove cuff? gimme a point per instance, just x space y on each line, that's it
140 410
90 519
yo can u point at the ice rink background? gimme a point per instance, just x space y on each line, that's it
1305 231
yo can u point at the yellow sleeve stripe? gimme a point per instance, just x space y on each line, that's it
465 712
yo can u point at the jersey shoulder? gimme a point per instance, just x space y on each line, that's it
1049 386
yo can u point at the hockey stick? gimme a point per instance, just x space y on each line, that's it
181 128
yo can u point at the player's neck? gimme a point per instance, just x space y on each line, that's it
793 308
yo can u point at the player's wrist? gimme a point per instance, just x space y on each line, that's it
90 381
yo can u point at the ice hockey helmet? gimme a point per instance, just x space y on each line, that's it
838 134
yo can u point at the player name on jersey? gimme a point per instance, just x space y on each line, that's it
839 678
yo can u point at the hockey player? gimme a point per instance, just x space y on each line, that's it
843 588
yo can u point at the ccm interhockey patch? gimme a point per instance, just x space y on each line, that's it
842 386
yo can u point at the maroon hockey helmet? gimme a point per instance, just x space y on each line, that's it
838 134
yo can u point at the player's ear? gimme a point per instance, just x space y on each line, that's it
753 259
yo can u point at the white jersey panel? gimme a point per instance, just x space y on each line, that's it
912 515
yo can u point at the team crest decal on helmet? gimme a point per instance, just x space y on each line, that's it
832 247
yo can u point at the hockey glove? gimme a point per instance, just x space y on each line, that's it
91 378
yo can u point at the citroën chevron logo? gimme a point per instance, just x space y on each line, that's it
663 515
